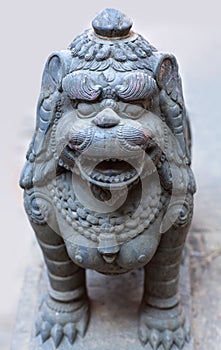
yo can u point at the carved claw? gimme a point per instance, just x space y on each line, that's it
180 338
155 339
167 339
73 319
70 332
45 331
143 333
83 323
57 334
182 335
162 329
38 327
187 332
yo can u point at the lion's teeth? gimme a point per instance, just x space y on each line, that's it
122 178
99 177
106 179
93 176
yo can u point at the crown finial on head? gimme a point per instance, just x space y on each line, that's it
111 23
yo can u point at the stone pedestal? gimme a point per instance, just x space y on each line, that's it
114 306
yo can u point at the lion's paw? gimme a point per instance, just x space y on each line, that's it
58 320
163 329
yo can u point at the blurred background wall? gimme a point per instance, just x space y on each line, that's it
30 31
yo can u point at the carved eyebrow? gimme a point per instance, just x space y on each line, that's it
136 86
79 86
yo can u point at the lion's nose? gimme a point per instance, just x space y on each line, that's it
106 119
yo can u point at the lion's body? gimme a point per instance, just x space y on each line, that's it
108 184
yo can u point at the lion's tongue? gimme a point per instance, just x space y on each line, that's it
113 172
113 168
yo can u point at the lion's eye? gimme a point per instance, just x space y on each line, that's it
133 111
86 110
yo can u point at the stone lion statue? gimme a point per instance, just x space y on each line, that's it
107 182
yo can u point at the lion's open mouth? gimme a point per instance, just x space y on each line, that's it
109 172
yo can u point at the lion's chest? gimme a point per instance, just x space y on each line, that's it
135 253
109 243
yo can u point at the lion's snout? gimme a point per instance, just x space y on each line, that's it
108 131
106 119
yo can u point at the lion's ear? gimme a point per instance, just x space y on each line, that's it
167 72
168 79
55 69
171 101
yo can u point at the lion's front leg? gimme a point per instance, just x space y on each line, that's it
162 321
64 310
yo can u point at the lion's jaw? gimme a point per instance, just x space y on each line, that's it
113 156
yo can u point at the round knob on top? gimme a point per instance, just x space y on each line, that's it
111 23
